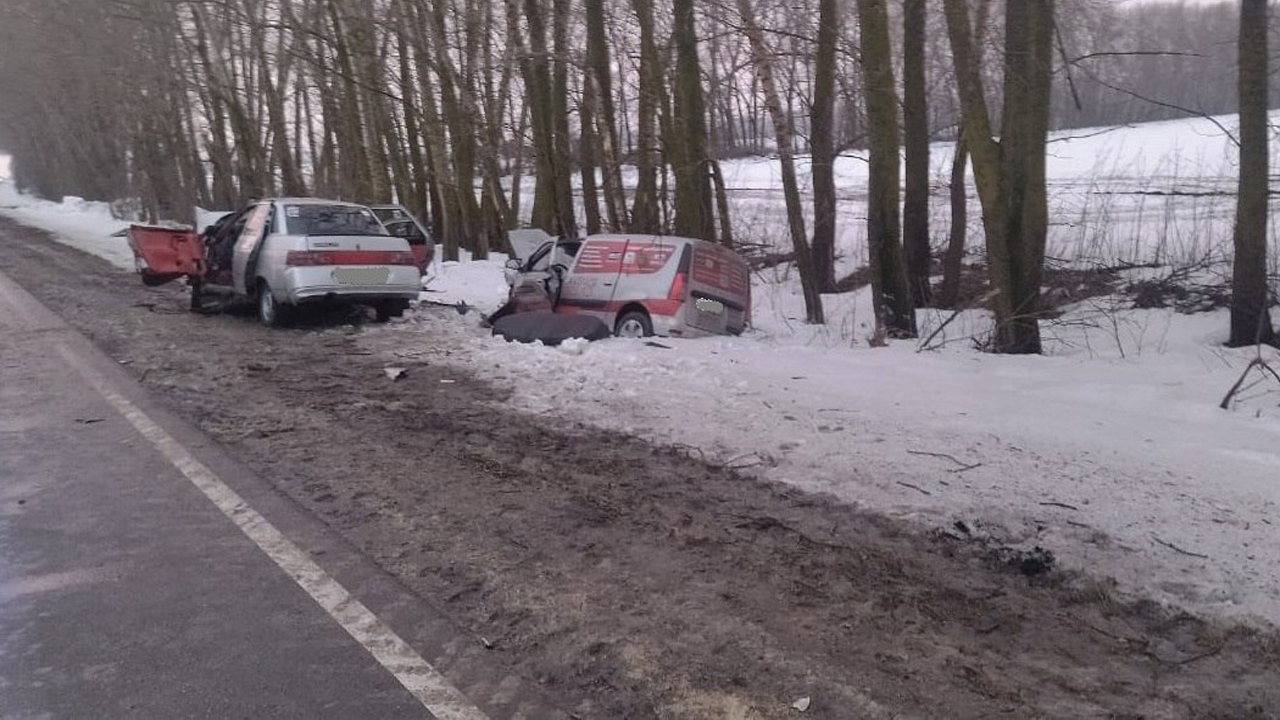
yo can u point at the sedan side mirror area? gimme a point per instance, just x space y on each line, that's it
515 264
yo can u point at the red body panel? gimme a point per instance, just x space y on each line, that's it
423 255
167 252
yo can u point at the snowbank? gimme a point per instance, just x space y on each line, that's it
84 225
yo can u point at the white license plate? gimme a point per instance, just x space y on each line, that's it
362 276
711 307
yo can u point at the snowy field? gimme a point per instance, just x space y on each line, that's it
1110 451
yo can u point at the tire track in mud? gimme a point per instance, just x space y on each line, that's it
631 581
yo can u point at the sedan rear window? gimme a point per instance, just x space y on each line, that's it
331 220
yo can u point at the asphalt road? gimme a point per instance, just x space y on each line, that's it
137 582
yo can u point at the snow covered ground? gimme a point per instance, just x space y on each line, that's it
1110 451
1121 466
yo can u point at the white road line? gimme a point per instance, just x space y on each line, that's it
436 693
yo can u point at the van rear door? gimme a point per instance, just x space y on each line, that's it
719 290
164 254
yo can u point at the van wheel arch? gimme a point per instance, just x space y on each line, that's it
634 322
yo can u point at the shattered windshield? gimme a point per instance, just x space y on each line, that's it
331 220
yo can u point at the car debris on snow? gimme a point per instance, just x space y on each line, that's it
550 328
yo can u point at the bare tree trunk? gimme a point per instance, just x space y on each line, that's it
600 70
645 211
441 185
496 208
225 194
762 58
416 199
1009 173
536 69
517 168
567 219
890 290
459 114
290 176
1250 300
588 146
1024 129
953 261
695 213
915 111
722 204
552 201
822 140
354 167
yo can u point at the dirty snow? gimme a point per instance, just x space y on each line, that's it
1110 451
1110 463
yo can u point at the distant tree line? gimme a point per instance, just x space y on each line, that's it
448 105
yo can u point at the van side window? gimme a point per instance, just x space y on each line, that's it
541 258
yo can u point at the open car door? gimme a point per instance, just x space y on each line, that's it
524 243
206 219
165 254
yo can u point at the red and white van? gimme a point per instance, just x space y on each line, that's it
639 285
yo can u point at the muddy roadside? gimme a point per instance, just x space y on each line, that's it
636 582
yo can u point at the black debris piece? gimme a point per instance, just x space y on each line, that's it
549 328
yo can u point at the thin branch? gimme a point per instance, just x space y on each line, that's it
914 487
1160 103
1135 53
1179 550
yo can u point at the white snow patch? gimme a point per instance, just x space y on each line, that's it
84 225
476 284
574 346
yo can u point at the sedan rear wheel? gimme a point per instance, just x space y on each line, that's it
269 311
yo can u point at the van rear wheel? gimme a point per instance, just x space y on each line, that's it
634 324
